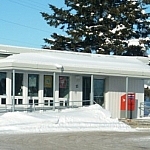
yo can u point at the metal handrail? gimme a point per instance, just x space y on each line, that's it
42 106
144 109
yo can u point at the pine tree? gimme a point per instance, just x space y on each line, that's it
101 26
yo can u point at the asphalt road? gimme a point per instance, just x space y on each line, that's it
77 141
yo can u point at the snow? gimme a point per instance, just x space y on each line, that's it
118 28
109 16
91 118
101 19
134 42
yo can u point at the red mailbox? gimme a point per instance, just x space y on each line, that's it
130 102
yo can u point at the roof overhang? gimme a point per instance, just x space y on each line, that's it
29 59
77 63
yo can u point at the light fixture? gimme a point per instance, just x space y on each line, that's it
60 67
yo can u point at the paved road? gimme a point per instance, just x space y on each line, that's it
77 141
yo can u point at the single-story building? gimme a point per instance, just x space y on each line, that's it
50 78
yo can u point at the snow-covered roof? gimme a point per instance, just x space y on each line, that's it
8 49
77 63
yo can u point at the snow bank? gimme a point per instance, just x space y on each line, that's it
91 118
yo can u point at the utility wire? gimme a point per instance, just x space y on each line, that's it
30 4
24 25
39 5
25 5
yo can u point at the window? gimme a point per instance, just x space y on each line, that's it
15 101
61 103
2 83
86 87
99 91
36 101
33 84
51 102
63 87
20 101
3 101
18 84
46 102
48 86
30 101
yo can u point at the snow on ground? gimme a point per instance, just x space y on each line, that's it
91 118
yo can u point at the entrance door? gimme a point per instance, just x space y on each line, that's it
99 91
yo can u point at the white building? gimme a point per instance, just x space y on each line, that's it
59 78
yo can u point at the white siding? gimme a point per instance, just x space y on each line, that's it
116 87
76 90
25 88
40 92
8 90
137 86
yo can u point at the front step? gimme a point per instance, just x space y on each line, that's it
137 123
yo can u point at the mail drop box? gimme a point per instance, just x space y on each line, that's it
129 103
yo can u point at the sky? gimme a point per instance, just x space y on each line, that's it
21 23
90 118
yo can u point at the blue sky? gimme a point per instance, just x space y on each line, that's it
21 23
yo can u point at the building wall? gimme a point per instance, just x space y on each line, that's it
76 90
116 87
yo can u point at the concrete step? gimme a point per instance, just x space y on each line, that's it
137 123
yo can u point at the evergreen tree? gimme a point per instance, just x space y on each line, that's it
101 26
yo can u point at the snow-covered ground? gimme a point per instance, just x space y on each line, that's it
91 118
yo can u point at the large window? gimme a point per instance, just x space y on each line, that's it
2 83
64 87
48 86
18 84
33 84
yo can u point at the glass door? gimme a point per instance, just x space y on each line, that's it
99 91
86 88
64 82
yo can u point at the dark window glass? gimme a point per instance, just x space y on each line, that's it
2 83
64 87
3 100
46 102
51 102
99 91
20 101
61 103
15 101
86 87
48 86
30 101
33 84
18 84
36 102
